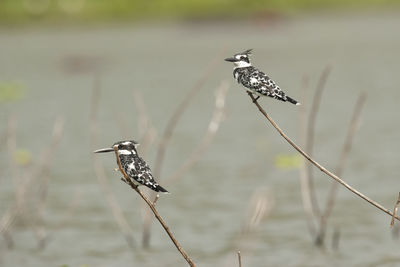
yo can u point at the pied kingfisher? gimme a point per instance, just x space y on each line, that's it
256 81
134 166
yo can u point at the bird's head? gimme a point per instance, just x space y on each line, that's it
240 60
123 147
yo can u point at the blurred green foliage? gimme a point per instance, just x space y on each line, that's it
23 157
292 161
11 91
21 11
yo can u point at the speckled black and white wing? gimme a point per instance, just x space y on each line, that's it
140 172
263 85
259 83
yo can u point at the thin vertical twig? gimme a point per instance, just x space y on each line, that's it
309 146
71 208
41 173
11 150
145 127
36 178
213 126
179 111
316 164
346 150
259 207
353 126
3 144
8 217
336 239
396 206
6 221
154 210
167 134
304 183
116 209
239 258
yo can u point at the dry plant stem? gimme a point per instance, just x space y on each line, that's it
173 120
305 188
146 128
116 209
4 139
310 137
11 149
154 210
166 136
345 151
114 205
323 218
8 217
72 207
395 210
122 125
42 173
148 134
335 239
6 222
258 209
26 185
213 126
239 258
42 168
319 166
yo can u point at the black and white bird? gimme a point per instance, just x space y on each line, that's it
134 166
256 81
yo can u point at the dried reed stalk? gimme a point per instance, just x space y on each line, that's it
115 207
167 134
239 258
319 166
396 206
327 211
309 145
213 126
152 206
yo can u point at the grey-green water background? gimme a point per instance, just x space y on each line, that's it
206 209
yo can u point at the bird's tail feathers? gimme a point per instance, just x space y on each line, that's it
161 189
291 100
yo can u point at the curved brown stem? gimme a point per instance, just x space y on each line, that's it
168 131
396 206
319 166
173 120
324 216
154 210
213 126
100 173
309 145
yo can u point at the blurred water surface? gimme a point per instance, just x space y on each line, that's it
56 67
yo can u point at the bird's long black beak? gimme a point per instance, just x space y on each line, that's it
231 59
103 150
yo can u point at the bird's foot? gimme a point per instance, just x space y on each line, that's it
255 99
